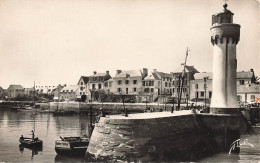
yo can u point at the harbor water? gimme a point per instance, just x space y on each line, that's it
49 128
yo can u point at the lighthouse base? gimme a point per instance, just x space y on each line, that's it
215 110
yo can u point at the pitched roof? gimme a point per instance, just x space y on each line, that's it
98 74
131 73
69 88
244 75
85 79
254 88
166 75
202 75
16 86
155 76
150 77
187 69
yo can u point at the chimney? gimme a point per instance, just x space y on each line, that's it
154 70
94 72
145 72
251 70
107 72
118 72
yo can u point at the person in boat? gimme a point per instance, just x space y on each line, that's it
32 135
22 138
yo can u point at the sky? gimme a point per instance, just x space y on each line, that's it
55 42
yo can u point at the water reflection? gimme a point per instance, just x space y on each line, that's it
34 150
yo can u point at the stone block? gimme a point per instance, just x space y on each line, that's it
106 130
104 143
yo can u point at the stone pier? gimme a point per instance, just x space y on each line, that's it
162 136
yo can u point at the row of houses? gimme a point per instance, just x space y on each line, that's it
145 86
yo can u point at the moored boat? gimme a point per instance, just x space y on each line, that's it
31 142
72 146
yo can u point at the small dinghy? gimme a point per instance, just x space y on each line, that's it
31 142
71 146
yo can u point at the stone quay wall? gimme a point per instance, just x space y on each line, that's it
109 108
166 138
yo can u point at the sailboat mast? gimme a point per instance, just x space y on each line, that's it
182 78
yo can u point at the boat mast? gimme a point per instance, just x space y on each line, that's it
182 78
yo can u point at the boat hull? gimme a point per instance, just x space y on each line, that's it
30 143
72 152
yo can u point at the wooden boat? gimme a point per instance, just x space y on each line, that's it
31 142
72 146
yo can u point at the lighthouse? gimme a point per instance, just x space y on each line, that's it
224 37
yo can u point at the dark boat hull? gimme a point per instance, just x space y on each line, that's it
31 143
74 152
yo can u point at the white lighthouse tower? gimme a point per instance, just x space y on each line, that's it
224 37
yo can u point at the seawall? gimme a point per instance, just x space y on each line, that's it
162 136
109 108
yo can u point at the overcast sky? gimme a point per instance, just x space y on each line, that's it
57 41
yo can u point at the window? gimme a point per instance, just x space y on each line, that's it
106 84
110 84
80 93
252 98
93 86
239 98
163 79
169 84
81 88
143 83
81 83
210 94
99 86
119 89
135 81
146 90
152 83
166 84
119 82
134 89
152 90
172 90
201 94
147 83
127 82
241 82
196 86
172 82
184 89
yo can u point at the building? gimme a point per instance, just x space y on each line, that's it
68 93
248 94
190 71
83 88
165 83
45 89
201 86
244 80
151 87
246 77
109 85
129 82
29 91
15 90
56 91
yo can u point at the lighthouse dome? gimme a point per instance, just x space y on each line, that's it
225 16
